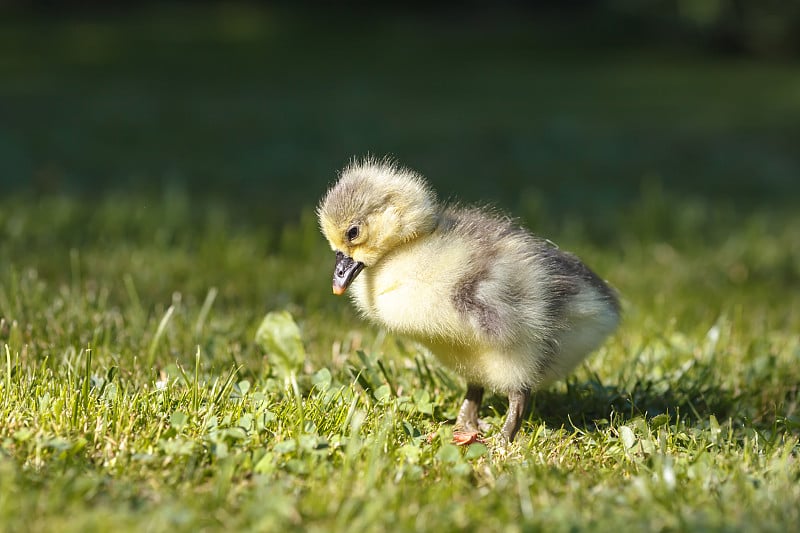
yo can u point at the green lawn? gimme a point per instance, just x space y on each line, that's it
159 187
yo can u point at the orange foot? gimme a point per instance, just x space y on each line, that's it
462 438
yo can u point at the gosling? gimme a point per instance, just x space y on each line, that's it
504 309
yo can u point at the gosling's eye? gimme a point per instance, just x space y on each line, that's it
352 233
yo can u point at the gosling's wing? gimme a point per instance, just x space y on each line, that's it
520 288
506 292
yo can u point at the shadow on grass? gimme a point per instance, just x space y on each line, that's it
587 405
590 404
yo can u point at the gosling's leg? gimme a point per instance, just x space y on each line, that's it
468 414
518 402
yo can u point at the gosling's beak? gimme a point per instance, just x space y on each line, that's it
344 272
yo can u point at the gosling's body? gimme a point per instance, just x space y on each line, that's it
504 309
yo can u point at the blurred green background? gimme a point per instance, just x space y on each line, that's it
557 111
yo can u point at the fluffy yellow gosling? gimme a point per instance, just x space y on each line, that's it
503 308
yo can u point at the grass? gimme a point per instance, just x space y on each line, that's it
174 361
138 395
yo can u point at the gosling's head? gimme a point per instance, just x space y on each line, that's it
374 206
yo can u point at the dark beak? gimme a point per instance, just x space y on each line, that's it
345 272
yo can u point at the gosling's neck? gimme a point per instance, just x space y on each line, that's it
425 222
444 220
407 236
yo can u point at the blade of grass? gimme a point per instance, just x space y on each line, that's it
204 310
162 326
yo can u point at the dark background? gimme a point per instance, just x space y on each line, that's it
569 109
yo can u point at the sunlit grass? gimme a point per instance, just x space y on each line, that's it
687 418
